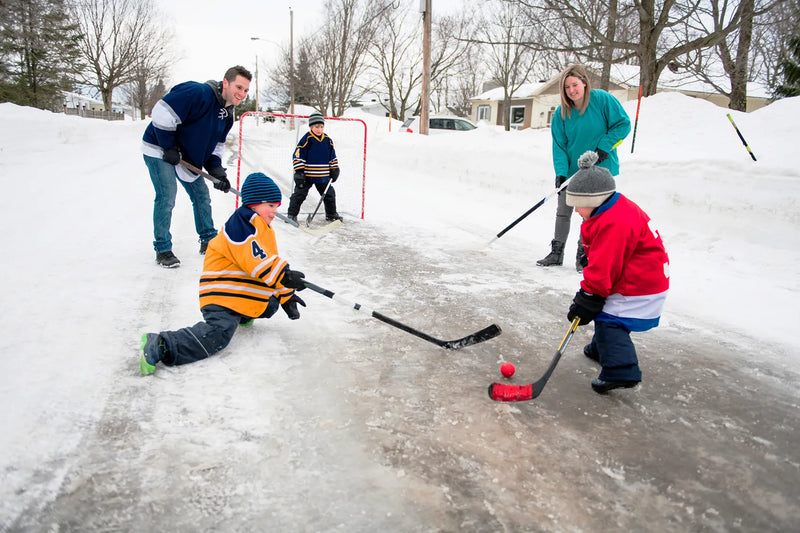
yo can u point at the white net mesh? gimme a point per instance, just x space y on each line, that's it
267 142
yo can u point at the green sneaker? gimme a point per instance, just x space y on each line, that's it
148 349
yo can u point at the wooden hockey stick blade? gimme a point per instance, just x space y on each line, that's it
507 392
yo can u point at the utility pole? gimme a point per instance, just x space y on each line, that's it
291 64
425 7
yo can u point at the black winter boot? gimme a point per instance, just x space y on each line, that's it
555 257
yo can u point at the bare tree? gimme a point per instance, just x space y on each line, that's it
340 50
726 66
117 37
506 38
450 56
397 62
661 39
153 61
465 82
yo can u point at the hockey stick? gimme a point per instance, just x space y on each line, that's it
321 198
485 334
212 179
531 210
504 392
752 155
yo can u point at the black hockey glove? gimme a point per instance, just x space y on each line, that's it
290 306
560 181
601 156
222 182
586 306
172 156
293 279
300 180
334 174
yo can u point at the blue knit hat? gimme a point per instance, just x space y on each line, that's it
258 188
316 118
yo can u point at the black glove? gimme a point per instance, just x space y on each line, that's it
560 181
601 156
300 180
290 306
293 279
222 182
172 156
334 174
586 306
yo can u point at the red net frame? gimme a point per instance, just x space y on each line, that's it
290 116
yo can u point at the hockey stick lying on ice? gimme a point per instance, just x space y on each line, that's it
212 179
505 392
479 336
539 204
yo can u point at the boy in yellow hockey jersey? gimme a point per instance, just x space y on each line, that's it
243 278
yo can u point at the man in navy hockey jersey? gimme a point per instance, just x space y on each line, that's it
190 123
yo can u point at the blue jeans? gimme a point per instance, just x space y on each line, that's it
165 182
613 344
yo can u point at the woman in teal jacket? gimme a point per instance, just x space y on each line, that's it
587 120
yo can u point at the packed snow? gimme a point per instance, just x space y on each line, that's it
82 286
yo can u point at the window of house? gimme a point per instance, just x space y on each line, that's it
484 112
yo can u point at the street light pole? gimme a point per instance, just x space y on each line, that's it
291 64
256 82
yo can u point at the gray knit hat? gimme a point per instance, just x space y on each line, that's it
315 118
591 185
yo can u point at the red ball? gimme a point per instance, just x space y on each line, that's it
507 369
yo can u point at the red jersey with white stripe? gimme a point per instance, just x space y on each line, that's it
628 264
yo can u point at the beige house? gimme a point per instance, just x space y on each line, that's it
534 104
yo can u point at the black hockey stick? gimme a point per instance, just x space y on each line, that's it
539 204
505 392
212 179
321 198
485 334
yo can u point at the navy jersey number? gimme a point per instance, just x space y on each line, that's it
257 250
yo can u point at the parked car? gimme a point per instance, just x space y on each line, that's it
411 125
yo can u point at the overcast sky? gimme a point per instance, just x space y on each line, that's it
208 40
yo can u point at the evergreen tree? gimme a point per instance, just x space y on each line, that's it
790 69
38 52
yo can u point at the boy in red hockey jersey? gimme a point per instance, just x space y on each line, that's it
626 279
243 278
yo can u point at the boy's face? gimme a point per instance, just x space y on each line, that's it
584 212
267 211
317 129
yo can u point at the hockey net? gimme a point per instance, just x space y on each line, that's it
267 142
